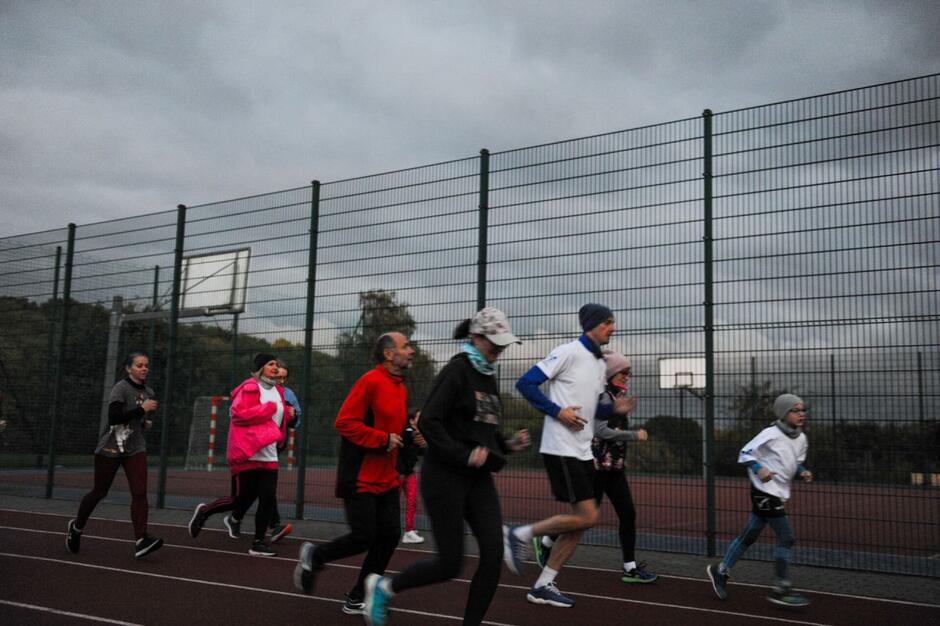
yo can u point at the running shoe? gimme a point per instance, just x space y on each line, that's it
514 550
541 552
234 526
637 575
147 544
783 595
73 538
305 572
354 606
719 581
197 521
375 609
260 548
412 536
280 531
549 595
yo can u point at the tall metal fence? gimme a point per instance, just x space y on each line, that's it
792 247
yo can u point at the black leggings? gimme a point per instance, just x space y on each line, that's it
614 484
248 486
374 528
450 497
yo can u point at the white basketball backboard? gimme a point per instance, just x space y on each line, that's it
215 282
682 373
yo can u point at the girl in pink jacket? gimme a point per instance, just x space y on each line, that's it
259 417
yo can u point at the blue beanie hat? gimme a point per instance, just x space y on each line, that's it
592 314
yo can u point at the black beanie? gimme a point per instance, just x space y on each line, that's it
592 314
262 359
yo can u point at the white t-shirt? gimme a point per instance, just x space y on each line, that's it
269 452
774 450
575 377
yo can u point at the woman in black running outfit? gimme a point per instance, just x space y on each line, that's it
460 423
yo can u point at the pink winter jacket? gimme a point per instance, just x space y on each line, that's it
251 425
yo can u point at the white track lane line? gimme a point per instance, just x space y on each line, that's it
90 618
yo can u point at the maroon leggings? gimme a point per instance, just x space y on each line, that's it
135 468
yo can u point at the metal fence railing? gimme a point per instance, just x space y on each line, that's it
792 246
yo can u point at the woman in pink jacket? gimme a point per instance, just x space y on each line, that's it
259 417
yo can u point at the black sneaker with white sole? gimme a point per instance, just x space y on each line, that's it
719 581
234 526
147 544
354 606
260 548
73 538
198 520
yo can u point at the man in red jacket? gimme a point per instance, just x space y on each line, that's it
370 422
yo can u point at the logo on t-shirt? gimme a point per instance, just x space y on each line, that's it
488 408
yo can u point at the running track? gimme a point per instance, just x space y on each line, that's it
213 580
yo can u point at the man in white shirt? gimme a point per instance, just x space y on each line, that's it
573 374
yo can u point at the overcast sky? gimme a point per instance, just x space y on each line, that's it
114 109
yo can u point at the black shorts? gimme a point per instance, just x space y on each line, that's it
765 505
572 480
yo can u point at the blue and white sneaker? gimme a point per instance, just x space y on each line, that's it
514 551
549 595
376 600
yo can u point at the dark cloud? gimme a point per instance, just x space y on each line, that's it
117 109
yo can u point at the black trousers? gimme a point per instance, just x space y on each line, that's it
450 497
248 486
614 484
374 528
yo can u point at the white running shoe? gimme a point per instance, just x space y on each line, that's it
412 536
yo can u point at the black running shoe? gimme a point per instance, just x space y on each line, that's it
234 526
260 548
719 581
147 544
354 606
73 538
197 521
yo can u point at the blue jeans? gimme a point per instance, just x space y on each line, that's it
785 540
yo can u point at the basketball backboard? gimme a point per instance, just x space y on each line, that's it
682 373
215 282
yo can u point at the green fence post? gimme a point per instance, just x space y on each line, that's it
233 373
154 305
308 348
709 448
483 226
171 352
60 359
53 323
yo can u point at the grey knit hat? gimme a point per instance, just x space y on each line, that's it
614 362
784 403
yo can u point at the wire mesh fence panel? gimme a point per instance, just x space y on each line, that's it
612 219
826 268
30 309
787 247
